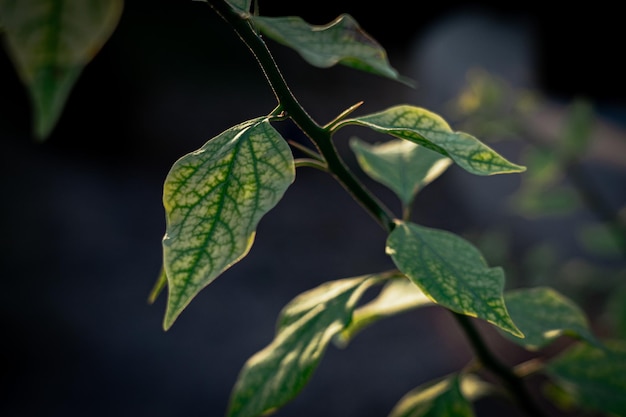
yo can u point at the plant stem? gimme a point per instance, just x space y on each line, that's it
320 136
512 382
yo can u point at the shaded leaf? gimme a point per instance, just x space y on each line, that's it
403 166
397 296
50 42
595 378
543 315
214 198
532 202
425 128
451 271
578 129
277 373
434 399
341 41
599 239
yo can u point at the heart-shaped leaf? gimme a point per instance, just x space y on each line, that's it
425 128
214 198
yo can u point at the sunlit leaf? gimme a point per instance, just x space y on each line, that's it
595 378
214 198
451 272
277 373
543 315
50 42
342 41
434 399
403 166
425 128
397 296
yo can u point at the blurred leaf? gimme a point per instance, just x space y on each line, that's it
397 296
544 168
214 198
434 399
158 287
430 130
50 42
342 41
598 239
595 378
533 202
616 311
543 315
277 373
578 127
451 272
403 166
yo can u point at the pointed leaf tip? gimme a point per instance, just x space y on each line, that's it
214 198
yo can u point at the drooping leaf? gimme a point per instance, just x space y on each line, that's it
214 198
397 296
277 373
434 399
543 315
342 41
594 378
405 167
50 42
451 272
428 129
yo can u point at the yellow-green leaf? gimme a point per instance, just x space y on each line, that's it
451 272
342 41
441 398
428 129
405 167
543 315
214 198
277 373
50 42
397 296
594 378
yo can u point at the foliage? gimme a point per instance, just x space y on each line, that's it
215 197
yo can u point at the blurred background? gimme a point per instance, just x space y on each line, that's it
82 219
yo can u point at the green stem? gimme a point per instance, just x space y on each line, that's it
320 136
513 383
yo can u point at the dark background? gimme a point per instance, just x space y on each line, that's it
81 214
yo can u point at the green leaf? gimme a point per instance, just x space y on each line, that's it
277 373
420 126
595 378
434 399
451 272
578 127
403 166
397 296
533 202
616 311
543 315
50 42
214 198
342 41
